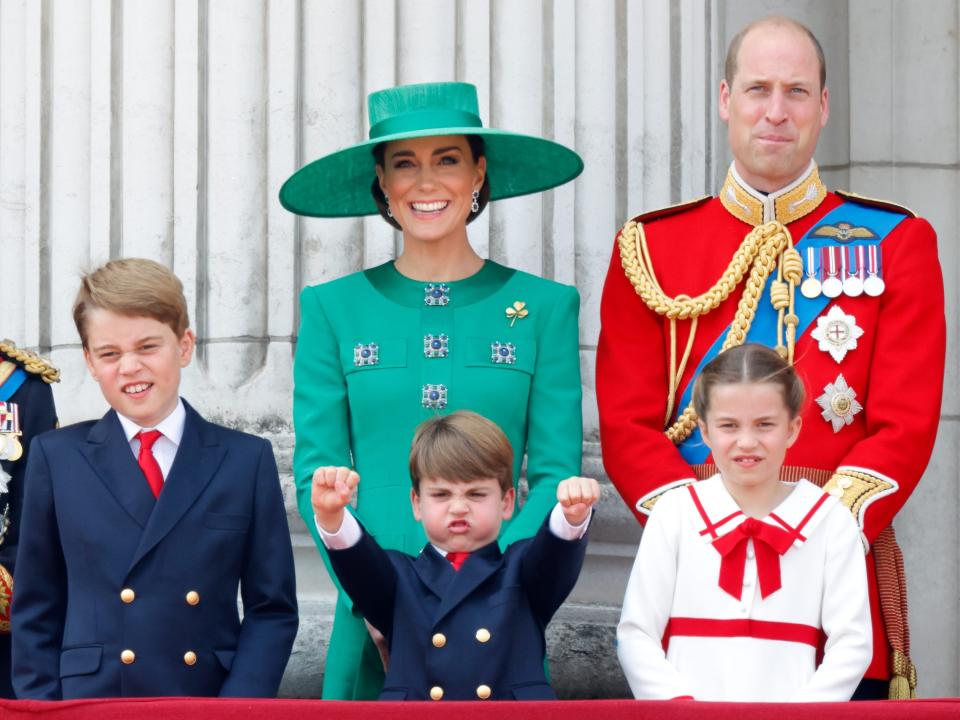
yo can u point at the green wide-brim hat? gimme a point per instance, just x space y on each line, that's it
338 185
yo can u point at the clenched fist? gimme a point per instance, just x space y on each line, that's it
576 496
332 490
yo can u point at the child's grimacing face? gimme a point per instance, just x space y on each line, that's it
748 429
137 362
461 516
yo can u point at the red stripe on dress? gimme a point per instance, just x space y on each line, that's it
806 518
710 527
758 629
816 506
786 526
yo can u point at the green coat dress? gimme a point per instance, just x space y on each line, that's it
379 353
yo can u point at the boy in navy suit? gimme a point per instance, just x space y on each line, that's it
462 620
138 528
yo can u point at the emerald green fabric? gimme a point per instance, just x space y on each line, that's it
346 414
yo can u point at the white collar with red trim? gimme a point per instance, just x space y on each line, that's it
800 512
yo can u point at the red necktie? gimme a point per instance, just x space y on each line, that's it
457 559
769 543
148 463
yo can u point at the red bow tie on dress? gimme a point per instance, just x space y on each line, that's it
769 543
457 559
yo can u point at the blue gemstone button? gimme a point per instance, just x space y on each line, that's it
436 346
503 353
434 397
366 354
436 295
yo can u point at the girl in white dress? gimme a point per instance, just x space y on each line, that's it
747 588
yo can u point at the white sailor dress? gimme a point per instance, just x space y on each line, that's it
720 606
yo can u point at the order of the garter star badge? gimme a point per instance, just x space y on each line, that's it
837 333
839 403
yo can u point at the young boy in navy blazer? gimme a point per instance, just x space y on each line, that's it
462 620
139 527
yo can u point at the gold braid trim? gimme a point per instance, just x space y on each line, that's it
31 362
765 248
855 489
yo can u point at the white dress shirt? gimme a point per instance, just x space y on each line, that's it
165 448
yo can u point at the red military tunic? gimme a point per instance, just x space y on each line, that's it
896 369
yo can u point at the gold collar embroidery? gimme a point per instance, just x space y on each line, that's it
786 205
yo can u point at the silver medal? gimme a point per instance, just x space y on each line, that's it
852 270
810 287
874 285
832 286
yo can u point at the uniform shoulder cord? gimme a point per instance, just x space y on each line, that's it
765 248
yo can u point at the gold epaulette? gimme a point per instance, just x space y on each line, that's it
30 361
874 202
670 210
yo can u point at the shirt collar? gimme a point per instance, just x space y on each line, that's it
171 426
785 205
800 512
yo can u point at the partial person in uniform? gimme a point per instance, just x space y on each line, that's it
140 528
462 620
436 330
848 289
26 410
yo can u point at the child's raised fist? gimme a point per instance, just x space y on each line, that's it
576 496
331 492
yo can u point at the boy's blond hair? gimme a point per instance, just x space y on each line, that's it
461 446
134 287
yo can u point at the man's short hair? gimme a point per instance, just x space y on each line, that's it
461 446
133 287
730 66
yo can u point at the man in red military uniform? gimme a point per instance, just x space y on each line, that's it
849 289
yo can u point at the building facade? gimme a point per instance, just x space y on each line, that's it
165 128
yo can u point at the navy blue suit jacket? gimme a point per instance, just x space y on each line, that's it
511 596
91 528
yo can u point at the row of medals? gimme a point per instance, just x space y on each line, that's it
850 270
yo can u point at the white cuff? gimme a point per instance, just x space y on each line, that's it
562 529
347 536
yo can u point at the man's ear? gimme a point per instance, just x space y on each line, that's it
723 106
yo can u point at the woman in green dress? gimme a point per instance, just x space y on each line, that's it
437 330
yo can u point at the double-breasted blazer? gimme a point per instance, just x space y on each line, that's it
468 634
119 594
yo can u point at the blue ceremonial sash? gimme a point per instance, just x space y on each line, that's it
13 383
764 327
